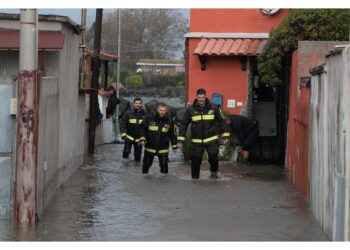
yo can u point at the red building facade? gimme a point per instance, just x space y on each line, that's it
220 45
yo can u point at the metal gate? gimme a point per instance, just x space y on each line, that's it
6 142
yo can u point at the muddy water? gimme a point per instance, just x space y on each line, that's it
108 199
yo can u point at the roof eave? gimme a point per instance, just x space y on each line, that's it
227 35
52 18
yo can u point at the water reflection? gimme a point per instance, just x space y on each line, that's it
109 199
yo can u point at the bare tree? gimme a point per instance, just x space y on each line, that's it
146 33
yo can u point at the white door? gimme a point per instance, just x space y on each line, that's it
6 140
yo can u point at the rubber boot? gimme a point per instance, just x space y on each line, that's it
163 162
125 155
147 162
137 153
145 169
214 162
195 166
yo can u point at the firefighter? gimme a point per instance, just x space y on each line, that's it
207 126
246 131
157 132
130 125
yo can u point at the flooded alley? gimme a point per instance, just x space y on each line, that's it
109 199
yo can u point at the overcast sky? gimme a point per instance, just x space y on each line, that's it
75 14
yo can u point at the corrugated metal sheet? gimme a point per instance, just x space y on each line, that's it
229 47
52 40
329 145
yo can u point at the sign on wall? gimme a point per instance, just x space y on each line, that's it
231 103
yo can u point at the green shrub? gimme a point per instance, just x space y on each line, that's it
124 73
180 86
226 153
228 150
300 24
134 82
155 80
186 146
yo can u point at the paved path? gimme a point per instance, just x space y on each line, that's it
109 199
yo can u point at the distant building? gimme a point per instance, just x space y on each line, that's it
160 66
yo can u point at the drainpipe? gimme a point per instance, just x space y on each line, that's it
347 168
82 48
187 72
27 120
105 66
94 81
117 129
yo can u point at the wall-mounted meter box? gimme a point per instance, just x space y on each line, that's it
13 106
231 103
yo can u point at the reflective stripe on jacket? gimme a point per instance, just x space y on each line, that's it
158 133
130 124
207 124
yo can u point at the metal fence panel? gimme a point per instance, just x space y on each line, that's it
328 159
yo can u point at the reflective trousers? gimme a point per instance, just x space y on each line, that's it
148 161
197 155
127 149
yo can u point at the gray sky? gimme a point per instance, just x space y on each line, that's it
75 14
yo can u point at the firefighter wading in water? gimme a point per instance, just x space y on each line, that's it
156 134
130 125
207 126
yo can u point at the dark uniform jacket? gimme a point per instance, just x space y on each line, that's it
130 124
158 133
113 101
207 123
242 126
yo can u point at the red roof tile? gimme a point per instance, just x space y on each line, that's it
9 39
229 47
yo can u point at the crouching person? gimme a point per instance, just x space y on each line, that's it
247 131
157 131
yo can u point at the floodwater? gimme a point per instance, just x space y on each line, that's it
108 199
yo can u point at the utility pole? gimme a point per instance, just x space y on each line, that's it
94 80
27 120
118 75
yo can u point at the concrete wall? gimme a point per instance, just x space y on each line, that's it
71 104
48 170
298 130
309 54
62 126
62 135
